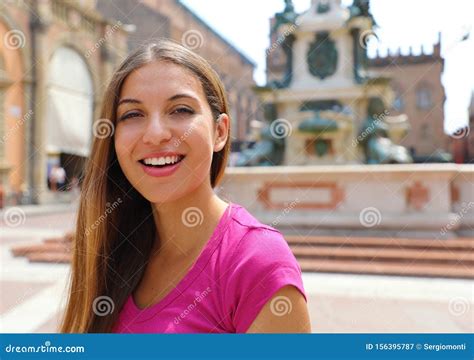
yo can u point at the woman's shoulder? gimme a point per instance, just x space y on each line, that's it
253 242
258 262
243 218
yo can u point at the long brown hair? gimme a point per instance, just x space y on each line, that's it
115 229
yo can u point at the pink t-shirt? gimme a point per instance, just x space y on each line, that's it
241 267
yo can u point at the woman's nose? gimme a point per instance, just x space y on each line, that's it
156 130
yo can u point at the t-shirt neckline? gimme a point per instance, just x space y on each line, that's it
197 267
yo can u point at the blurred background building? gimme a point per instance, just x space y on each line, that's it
153 19
419 93
416 91
376 243
58 55
55 59
463 142
54 64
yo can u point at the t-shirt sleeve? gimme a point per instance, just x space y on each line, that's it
261 264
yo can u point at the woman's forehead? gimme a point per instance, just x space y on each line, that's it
161 78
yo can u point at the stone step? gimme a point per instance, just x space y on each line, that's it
49 257
393 254
451 244
385 268
67 237
384 256
24 250
387 256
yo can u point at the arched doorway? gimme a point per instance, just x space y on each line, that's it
4 168
4 82
69 114
12 112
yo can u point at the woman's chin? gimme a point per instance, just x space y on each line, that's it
165 195
165 192
162 197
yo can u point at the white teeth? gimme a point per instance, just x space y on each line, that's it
161 160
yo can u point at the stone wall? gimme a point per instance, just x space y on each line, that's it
434 200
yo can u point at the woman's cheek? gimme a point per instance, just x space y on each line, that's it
123 149
200 140
124 139
118 147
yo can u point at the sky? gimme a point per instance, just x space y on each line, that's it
401 23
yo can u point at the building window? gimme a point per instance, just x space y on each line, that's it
423 98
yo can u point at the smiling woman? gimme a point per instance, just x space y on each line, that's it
173 257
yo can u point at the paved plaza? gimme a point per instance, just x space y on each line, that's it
33 294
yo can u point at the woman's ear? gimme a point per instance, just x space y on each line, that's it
222 131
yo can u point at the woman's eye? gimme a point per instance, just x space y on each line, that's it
183 110
129 115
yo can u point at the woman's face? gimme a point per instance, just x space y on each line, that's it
166 134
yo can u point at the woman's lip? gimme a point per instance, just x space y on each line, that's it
160 172
162 154
180 157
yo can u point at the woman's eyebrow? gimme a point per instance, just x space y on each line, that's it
174 97
128 101
180 96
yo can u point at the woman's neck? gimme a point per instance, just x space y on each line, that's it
186 224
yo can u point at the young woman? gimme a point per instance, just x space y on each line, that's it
156 250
